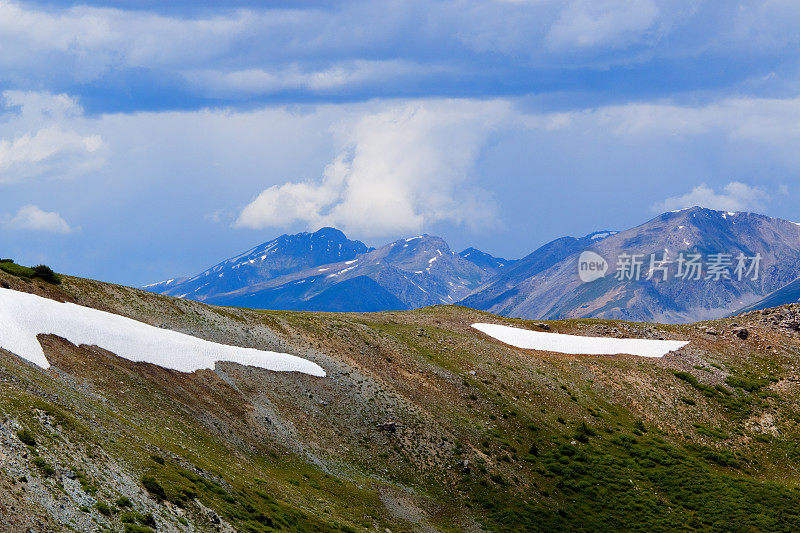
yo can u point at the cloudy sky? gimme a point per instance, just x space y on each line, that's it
141 140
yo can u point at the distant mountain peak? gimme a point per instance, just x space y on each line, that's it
545 284
485 260
283 255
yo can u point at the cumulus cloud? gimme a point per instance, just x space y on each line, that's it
34 141
734 196
33 218
398 170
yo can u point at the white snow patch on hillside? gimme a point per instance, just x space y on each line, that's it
23 316
576 344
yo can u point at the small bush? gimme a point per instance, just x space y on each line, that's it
749 385
154 487
45 273
104 509
26 437
123 502
44 467
134 528
132 517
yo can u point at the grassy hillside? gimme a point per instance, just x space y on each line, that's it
422 424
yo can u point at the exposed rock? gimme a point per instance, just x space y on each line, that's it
742 333
389 427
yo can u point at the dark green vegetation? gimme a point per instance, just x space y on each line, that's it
42 272
421 422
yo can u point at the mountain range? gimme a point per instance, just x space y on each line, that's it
326 271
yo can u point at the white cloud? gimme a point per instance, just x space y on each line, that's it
32 218
735 196
325 47
346 74
34 141
398 170
609 23
390 167
765 120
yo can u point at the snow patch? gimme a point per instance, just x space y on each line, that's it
576 344
23 316
602 235
348 269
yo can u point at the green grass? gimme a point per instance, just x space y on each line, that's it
16 270
629 483
42 272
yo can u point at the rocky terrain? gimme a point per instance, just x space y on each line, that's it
422 424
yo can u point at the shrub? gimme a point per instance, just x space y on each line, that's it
749 385
132 517
123 502
44 467
45 273
154 487
134 528
26 437
104 509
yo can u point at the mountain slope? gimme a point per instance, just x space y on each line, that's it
485 261
278 257
788 294
546 283
422 424
506 288
405 274
305 271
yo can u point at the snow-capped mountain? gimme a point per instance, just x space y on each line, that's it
486 261
546 284
278 257
405 274
324 271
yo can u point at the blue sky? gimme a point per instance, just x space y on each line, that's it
141 140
